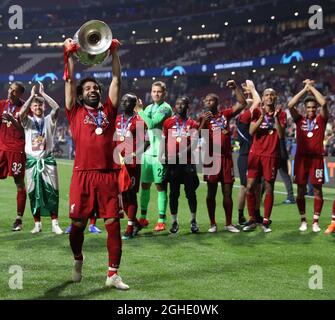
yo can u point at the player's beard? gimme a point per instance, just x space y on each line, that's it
182 113
92 102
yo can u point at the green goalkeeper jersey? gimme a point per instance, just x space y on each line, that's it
154 116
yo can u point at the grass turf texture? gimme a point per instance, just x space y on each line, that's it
163 266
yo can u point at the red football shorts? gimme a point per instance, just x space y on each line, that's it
308 166
12 164
135 176
259 166
94 192
226 174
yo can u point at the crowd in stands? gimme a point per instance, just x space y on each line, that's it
285 85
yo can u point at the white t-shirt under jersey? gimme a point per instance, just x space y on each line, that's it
39 146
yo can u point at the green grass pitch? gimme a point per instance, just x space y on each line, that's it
162 266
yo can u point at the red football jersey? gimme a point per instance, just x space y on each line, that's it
266 140
310 135
245 116
93 151
10 138
127 135
220 122
178 134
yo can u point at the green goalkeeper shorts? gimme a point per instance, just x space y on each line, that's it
152 170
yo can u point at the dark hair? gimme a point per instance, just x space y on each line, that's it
309 98
80 86
37 99
213 95
20 85
185 98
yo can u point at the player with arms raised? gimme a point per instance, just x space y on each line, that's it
94 184
308 161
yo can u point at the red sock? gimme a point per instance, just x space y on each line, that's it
132 208
37 217
211 204
130 229
251 204
93 220
268 204
114 244
54 216
228 208
111 273
21 198
318 204
76 241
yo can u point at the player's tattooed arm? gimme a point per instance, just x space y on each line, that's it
256 99
319 98
241 102
280 128
294 101
23 114
70 83
115 86
52 103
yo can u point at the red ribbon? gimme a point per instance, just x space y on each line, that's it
73 47
124 179
115 44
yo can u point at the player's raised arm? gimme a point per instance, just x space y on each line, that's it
241 103
70 84
320 99
256 99
25 108
115 86
280 123
52 103
294 101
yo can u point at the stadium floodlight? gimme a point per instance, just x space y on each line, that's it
296 13
203 26
226 23
249 20
273 17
